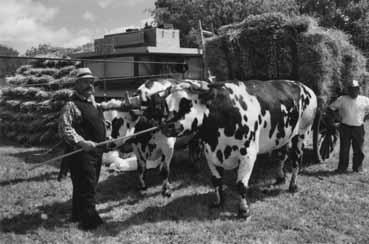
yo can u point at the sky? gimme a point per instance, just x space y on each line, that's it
67 23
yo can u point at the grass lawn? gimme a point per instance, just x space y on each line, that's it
34 206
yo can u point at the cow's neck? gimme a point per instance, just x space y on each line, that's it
193 120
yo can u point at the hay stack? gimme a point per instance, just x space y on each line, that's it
273 46
31 103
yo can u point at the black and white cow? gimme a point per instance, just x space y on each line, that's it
153 146
238 120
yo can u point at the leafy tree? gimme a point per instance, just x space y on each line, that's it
8 66
46 49
351 16
185 14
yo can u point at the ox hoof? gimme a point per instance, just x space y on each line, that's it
280 181
293 188
244 213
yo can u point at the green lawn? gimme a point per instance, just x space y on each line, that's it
34 207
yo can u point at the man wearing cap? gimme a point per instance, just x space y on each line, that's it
352 109
82 125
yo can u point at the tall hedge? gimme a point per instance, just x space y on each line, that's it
30 104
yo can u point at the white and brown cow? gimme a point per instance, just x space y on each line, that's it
238 120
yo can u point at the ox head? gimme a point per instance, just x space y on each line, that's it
156 107
148 96
179 111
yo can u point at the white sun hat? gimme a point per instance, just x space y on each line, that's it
84 73
354 83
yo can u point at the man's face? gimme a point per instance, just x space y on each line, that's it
353 91
85 87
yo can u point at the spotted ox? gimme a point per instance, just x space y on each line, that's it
238 120
154 146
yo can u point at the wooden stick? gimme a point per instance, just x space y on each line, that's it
205 71
97 144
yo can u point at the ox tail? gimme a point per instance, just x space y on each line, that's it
316 129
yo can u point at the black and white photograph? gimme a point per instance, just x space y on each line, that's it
184 121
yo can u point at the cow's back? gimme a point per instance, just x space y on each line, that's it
256 115
287 108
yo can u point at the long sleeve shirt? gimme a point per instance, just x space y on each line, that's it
70 115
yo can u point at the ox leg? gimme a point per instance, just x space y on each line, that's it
217 181
243 177
164 172
195 149
167 150
141 168
296 158
282 155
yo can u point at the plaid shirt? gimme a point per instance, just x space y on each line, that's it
70 114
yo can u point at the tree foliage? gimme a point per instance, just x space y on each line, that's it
8 66
351 16
185 14
47 50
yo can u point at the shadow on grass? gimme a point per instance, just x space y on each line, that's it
30 154
192 207
115 187
119 186
123 188
38 156
57 214
322 173
186 208
39 178
189 208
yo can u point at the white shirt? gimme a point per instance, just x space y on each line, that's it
351 110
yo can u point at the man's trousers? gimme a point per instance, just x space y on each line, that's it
351 135
85 171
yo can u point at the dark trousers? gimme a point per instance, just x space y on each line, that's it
85 171
351 135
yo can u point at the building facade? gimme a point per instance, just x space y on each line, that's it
123 61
